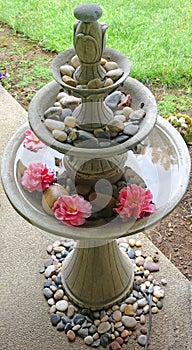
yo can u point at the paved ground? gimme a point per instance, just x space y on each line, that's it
24 317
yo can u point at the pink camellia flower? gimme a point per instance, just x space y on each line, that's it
72 210
134 201
31 142
37 177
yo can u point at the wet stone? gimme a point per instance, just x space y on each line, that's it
119 139
130 129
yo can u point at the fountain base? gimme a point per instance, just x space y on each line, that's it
97 275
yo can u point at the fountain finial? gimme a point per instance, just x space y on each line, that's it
89 42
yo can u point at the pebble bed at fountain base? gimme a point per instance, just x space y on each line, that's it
110 327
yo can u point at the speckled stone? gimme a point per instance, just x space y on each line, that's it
71 335
104 327
117 315
129 322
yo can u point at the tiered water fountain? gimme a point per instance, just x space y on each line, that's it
112 139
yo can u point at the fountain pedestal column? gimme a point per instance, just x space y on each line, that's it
97 274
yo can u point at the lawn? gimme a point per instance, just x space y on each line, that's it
154 34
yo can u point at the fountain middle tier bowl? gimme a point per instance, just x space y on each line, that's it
108 54
46 97
162 162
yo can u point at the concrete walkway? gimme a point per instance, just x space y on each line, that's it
24 313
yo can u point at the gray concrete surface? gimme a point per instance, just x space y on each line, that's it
24 313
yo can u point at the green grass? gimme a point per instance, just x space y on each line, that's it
154 34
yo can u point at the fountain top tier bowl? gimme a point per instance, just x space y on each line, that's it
89 75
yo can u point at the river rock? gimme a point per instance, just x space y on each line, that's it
115 346
130 129
108 82
113 99
75 61
142 339
52 111
69 81
104 327
127 111
71 335
55 319
95 84
61 305
119 139
129 310
129 322
47 293
70 122
111 65
117 315
105 339
59 135
151 266
96 343
115 74
54 125
58 294
67 69
50 270
70 101
137 115
88 340
115 126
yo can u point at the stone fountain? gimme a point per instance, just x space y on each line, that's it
98 147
